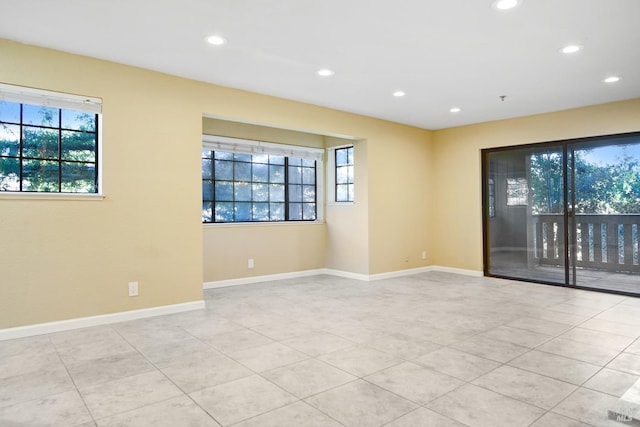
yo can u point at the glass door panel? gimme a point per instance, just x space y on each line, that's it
606 188
524 213
565 213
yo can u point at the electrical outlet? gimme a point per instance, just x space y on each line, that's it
424 254
250 263
133 289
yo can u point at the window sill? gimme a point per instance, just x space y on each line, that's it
341 203
8 195
262 224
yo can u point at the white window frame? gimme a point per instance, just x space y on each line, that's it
48 98
246 146
331 176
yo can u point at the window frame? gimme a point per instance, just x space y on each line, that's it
332 176
61 101
214 143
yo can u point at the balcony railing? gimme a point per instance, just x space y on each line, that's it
603 242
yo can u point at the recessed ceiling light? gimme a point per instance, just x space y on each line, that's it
505 4
216 40
455 110
399 94
572 48
611 79
325 72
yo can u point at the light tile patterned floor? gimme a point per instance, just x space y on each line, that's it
430 349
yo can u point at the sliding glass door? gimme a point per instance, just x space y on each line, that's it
564 213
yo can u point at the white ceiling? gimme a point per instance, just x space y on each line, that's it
441 53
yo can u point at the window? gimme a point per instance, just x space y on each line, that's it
258 182
517 192
48 141
344 174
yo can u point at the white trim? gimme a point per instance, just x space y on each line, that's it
27 195
347 274
104 319
259 279
399 273
239 145
338 273
47 98
462 271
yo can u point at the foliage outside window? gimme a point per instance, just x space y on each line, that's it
240 187
47 148
344 174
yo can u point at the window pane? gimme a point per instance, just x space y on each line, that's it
206 168
9 112
240 157
221 155
309 163
342 175
260 192
295 175
276 160
224 191
309 193
78 120
242 191
78 146
224 170
309 176
207 190
40 143
40 116
224 212
309 211
207 208
261 158
39 175
260 173
350 192
78 177
242 212
9 140
9 174
241 171
295 193
295 211
276 174
276 192
276 211
261 211
342 193
350 155
295 161
342 157
206 154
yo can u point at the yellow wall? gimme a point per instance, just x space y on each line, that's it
67 259
416 190
457 168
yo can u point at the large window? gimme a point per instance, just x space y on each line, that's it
344 174
258 185
48 142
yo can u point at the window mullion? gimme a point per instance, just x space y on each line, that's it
286 188
59 151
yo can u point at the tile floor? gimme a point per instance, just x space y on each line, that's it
433 349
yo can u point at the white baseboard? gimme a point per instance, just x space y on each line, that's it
399 273
104 319
337 273
462 271
265 278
